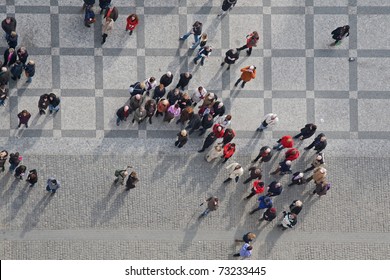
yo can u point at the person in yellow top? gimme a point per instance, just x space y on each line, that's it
248 73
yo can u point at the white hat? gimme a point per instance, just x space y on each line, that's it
169 73
251 67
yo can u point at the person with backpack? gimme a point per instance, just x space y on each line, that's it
339 34
137 88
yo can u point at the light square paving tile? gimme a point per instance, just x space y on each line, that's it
331 74
165 64
323 27
288 73
5 116
331 3
78 113
159 3
36 31
73 33
10 9
153 25
373 73
288 31
288 3
206 75
246 111
43 73
32 3
119 38
119 72
285 109
80 72
124 3
237 32
373 31
372 3
335 115
374 115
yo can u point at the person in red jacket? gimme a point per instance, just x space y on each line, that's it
132 22
258 187
218 130
228 151
285 142
251 41
248 73
292 154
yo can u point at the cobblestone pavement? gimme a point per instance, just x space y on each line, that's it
299 77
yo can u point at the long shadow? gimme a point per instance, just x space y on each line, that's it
101 205
190 231
18 202
6 197
115 206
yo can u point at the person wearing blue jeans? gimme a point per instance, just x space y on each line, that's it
212 205
196 30
202 54
54 103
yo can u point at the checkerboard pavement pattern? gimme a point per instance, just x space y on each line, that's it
299 77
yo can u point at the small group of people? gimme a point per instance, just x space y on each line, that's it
122 174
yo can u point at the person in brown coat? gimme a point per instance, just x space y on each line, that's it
24 116
131 181
150 107
319 175
212 205
321 188
182 138
162 107
248 73
135 102
254 173
185 115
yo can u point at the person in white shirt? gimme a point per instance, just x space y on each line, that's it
224 121
270 119
198 95
235 171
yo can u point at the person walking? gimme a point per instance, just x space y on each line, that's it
228 136
218 130
214 153
52 185
285 142
122 114
196 31
269 215
210 139
289 220
172 112
219 109
319 175
182 138
24 117
245 251
235 171
20 171
319 143
88 3
150 107
14 161
12 40
32 177
132 180
292 154
131 23
248 237
322 188
207 122
3 94
228 151
230 58
54 103
212 205
194 123
8 25
264 203
254 174
135 102
150 84
339 34
139 115
306 132
107 28
265 155
3 160
137 88
22 55
89 15
29 70
166 79
203 54
162 107
248 73
297 179
270 120
274 189
225 121
10 57
318 161
198 95
185 115
184 80
227 5
120 175
296 207
202 42
104 5
112 12
251 41
16 70
4 76
284 167
257 188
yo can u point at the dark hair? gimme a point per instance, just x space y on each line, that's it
54 181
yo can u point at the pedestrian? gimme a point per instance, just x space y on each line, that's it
131 181
174 96
122 114
257 188
268 215
150 84
203 54
194 123
228 151
52 185
107 28
185 115
322 188
184 80
296 207
3 159
88 3
202 42
139 115
54 103
20 171
185 100
319 143
162 107
284 167
104 5
251 41
248 237
218 130
209 99
210 139
22 55
135 102
306 132
32 177
227 5
29 70
137 88
182 138
14 161
235 171
112 12
219 109
248 73
43 103
4 76
150 107
297 179
274 189
318 161
13 40
3 94
228 136
16 70
196 30
289 220
89 16
10 57
265 155
172 112
24 117
214 153
212 205
8 25
166 79
339 34
319 175
225 121
270 119
207 122
131 23
245 251
254 174
159 92
292 154
120 175
264 203
285 142
230 57
198 95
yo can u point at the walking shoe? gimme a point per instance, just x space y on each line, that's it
223 63
242 85
150 120
195 62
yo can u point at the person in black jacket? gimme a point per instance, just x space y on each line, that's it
339 33
10 57
14 160
265 154
131 181
227 5
12 40
32 177
4 76
219 109
3 94
207 122
230 57
306 132
274 189
184 80
166 79
22 55
210 139
203 54
122 114
159 92
24 117
8 25
29 70
296 207
269 215
16 70
19 171
3 159
182 138
196 30
297 179
194 123
43 103
319 143
54 103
